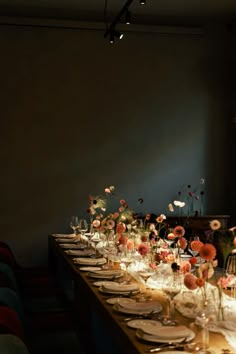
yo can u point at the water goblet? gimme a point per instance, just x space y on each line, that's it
83 227
171 287
74 224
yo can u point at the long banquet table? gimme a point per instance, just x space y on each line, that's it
101 329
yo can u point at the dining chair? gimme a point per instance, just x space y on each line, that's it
11 344
10 298
10 322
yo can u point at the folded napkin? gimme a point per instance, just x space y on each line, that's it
68 239
227 329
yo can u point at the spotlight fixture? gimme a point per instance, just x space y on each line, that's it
128 17
142 2
114 34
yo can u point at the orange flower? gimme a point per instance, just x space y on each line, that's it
196 245
207 252
143 249
179 231
190 281
193 260
200 282
120 228
171 236
182 242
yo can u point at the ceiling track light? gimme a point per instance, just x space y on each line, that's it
112 27
114 34
128 17
142 2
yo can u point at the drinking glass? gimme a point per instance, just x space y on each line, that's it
83 227
171 287
74 224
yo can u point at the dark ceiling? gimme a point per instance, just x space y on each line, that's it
155 12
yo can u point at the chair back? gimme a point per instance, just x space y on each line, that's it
10 298
230 264
10 323
11 344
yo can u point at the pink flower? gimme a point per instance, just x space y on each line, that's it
110 224
190 281
182 242
115 215
123 240
171 236
120 228
122 201
153 265
107 190
185 267
96 223
223 282
143 249
130 245
179 231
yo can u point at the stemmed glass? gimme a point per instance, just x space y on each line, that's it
83 227
74 224
171 287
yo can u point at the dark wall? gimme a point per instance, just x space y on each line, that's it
147 115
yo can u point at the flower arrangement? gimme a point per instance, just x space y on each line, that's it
222 283
207 252
188 196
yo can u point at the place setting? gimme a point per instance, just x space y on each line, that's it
90 261
104 274
119 288
81 253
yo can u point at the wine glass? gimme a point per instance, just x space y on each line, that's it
171 287
74 224
83 227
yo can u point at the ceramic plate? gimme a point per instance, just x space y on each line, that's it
113 286
143 323
125 293
77 246
139 308
81 253
106 274
158 339
90 261
90 269
119 300
102 282
63 235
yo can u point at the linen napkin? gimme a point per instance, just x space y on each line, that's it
227 329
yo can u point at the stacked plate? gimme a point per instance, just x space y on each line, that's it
106 274
121 289
165 334
77 246
63 235
81 253
139 308
90 261
74 239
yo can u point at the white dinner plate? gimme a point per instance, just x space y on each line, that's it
125 293
63 235
89 269
113 286
119 300
90 261
102 282
77 246
158 339
68 239
169 332
139 308
106 274
143 323
81 253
